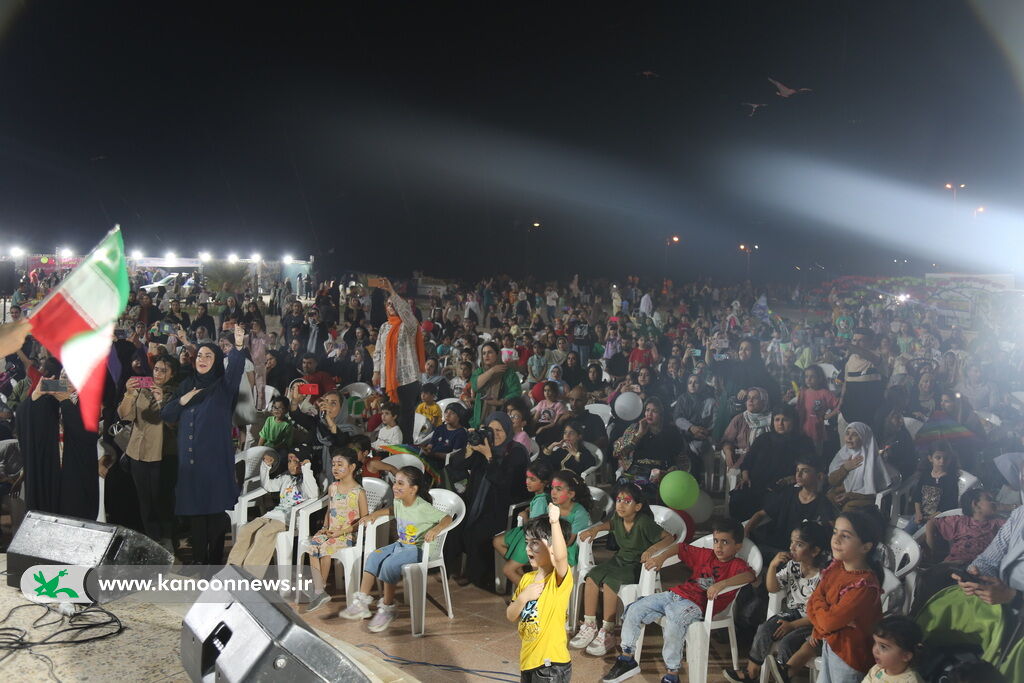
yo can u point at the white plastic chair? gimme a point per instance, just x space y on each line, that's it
894 487
913 426
415 574
602 410
251 491
650 580
955 512
445 402
348 559
499 561
401 460
965 482
774 607
589 474
904 560
422 429
600 512
357 389
698 635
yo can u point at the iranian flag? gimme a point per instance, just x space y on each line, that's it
76 321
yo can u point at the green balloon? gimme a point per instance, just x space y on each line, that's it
679 490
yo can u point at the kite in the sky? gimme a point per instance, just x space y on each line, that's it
649 74
785 91
753 107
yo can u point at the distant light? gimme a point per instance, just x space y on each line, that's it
797 267
675 238
536 225
17 252
902 297
232 258
962 186
756 247
904 260
742 247
894 260
204 256
880 296
66 253
170 256
255 256
287 259
949 186
980 209
935 265
137 253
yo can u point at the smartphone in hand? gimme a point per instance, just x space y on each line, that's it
144 382
54 385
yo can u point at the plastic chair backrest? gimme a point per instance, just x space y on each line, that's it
913 426
603 505
360 389
602 410
965 482
749 552
955 512
906 553
598 456
254 457
376 492
449 503
401 460
890 588
422 429
669 520
445 402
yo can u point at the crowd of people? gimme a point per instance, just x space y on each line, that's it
514 393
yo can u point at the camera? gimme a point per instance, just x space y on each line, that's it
480 434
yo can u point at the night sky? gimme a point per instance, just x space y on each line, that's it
388 136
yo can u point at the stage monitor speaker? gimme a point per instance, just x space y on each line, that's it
8 278
234 634
43 538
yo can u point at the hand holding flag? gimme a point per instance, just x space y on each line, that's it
76 321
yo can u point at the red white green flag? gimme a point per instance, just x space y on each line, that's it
76 321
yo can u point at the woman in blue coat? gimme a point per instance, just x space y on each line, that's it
203 407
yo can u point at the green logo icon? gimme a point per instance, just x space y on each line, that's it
50 589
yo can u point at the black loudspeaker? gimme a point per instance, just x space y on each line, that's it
43 538
8 278
234 633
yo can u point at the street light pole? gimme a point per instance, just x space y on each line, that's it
954 187
749 249
674 239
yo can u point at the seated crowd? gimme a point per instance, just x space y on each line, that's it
832 442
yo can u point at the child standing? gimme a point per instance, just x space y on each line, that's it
796 575
257 539
846 606
711 571
897 642
937 490
541 601
538 479
815 404
428 407
390 433
277 431
347 505
638 537
418 522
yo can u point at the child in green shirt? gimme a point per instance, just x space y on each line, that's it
277 430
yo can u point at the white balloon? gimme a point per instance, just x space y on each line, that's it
628 406
702 509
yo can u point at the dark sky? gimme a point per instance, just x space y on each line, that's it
431 134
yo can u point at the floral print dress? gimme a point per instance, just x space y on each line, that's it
343 511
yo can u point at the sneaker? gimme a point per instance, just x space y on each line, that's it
779 671
735 676
583 636
670 678
359 609
382 619
318 601
624 667
601 643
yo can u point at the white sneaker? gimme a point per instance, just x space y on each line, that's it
382 619
359 609
583 636
601 643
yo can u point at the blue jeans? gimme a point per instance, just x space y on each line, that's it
386 563
678 612
835 670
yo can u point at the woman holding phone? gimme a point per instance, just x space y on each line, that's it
152 447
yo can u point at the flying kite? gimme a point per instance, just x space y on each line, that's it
753 107
785 91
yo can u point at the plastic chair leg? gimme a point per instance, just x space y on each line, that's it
732 645
416 588
447 592
697 643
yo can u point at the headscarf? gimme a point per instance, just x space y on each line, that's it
204 381
872 475
391 354
590 385
502 418
758 423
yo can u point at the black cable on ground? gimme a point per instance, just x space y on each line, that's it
482 673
